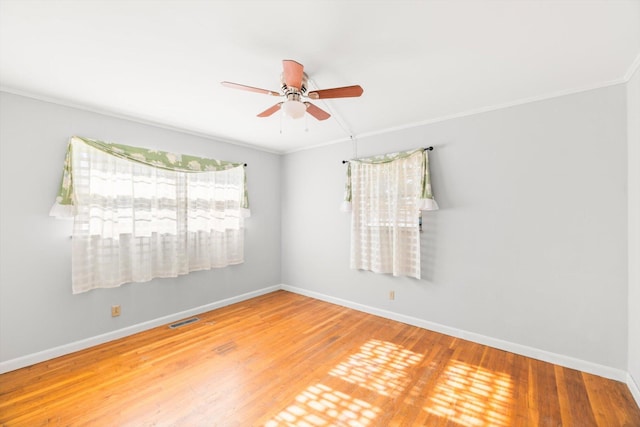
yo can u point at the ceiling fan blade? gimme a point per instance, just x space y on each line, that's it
337 92
269 111
317 112
292 73
250 88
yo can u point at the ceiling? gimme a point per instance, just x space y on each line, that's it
418 61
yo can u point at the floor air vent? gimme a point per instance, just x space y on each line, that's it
183 322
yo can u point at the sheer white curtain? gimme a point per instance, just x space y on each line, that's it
134 222
386 199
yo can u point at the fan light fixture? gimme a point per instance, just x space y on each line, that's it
294 109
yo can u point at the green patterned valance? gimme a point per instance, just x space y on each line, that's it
154 158
389 157
160 159
427 202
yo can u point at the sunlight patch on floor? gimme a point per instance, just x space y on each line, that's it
465 394
320 405
379 366
472 396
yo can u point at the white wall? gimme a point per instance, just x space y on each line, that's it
633 134
530 244
529 247
37 310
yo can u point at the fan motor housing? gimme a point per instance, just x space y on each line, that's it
287 90
293 96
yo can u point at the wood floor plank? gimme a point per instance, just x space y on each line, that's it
283 359
581 408
564 397
515 366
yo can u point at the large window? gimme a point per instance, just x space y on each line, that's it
141 214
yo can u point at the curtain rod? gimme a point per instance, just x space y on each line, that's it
426 148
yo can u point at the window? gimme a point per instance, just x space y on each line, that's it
385 195
141 214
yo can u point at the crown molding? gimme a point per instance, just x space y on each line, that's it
131 118
480 110
354 137
635 65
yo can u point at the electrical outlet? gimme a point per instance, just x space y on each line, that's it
115 310
392 295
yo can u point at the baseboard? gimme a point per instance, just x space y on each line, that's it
21 362
633 388
546 356
558 359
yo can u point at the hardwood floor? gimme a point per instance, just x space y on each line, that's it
287 360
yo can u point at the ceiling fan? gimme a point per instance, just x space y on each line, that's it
294 88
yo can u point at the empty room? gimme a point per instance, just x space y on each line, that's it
320 213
